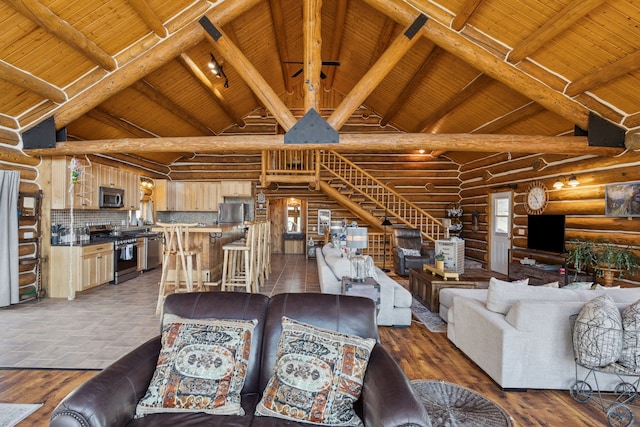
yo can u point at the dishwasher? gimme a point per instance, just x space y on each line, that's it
151 251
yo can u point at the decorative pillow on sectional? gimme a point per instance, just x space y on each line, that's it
201 367
630 356
317 377
410 252
578 285
341 266
329 249
597 333
523 282
551 285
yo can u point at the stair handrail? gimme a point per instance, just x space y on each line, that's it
383 196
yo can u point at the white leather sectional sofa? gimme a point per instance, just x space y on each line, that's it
395 301
520 335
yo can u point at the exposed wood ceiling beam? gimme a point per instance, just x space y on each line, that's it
280 33
116 122
50 22
31 83
489 64
612 71
154 95
149 17
479 84
514 116
376 74
311 28
142 163
338 35
249 74
384 40
559 23
572 145
9 137
190 65
153 58
430 57
467 9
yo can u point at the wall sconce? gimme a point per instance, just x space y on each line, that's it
146 183
572 182
217 70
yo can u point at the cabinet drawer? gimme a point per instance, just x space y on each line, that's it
95 249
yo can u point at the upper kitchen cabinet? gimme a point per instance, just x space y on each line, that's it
73 184
236 188
187 195
76 183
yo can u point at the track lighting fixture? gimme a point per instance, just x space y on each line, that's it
217 70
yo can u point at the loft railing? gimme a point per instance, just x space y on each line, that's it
290 166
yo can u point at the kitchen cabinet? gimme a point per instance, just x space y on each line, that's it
65 194
203 196
92 176
81 267
236 188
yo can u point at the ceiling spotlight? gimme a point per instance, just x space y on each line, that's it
217 70
573 181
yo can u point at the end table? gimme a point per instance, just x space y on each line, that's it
369 289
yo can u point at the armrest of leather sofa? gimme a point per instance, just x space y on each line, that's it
387 396
110 398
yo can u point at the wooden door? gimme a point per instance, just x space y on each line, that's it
278 216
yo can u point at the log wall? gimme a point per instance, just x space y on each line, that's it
584 205
12 158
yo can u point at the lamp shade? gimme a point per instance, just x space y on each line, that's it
336 227
386 222
356 237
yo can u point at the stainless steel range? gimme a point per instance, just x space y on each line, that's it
125 246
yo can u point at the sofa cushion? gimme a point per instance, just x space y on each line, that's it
201 367
317 377
340 265
630 355
329 249
578 285
409 252
597 333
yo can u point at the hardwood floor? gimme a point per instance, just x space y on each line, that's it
421 354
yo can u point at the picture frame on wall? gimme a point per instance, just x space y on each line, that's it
623 199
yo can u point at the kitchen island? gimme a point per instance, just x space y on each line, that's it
211 238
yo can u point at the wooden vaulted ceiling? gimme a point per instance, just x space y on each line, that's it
129 77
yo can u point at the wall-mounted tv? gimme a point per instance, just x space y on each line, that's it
546 233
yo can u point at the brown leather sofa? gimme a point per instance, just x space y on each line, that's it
411 239
110 398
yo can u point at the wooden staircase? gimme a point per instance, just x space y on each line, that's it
350 185
362 188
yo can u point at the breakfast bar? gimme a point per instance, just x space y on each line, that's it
212 238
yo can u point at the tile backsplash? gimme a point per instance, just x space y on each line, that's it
84 217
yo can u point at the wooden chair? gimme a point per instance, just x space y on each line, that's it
179 251
239 270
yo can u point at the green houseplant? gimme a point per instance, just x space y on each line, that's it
440 261
604 257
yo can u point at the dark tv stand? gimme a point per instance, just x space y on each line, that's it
546 269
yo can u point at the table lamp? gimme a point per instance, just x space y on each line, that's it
357 240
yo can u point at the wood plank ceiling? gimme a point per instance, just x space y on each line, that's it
130 78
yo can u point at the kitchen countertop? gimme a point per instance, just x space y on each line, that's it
209 228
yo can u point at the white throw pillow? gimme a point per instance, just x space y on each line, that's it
551 285
630 355
329 250
597 333
578 285
523 282
341 266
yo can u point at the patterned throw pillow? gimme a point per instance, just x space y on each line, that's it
597 333
317 376
630 356
410 252
201 367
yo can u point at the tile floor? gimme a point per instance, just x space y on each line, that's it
105 323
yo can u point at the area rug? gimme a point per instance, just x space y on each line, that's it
12 413
432 321
452 405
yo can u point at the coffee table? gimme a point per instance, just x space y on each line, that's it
426 287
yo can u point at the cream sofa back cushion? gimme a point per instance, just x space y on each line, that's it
502 295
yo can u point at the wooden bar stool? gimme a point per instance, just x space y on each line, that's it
237 270
179 250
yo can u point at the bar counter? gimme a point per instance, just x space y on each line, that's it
212 238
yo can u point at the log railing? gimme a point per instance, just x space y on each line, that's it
291 166
384 197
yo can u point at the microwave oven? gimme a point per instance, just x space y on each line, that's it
111 197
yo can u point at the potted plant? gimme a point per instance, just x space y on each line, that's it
440 261
605 258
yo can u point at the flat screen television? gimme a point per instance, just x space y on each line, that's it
546 233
